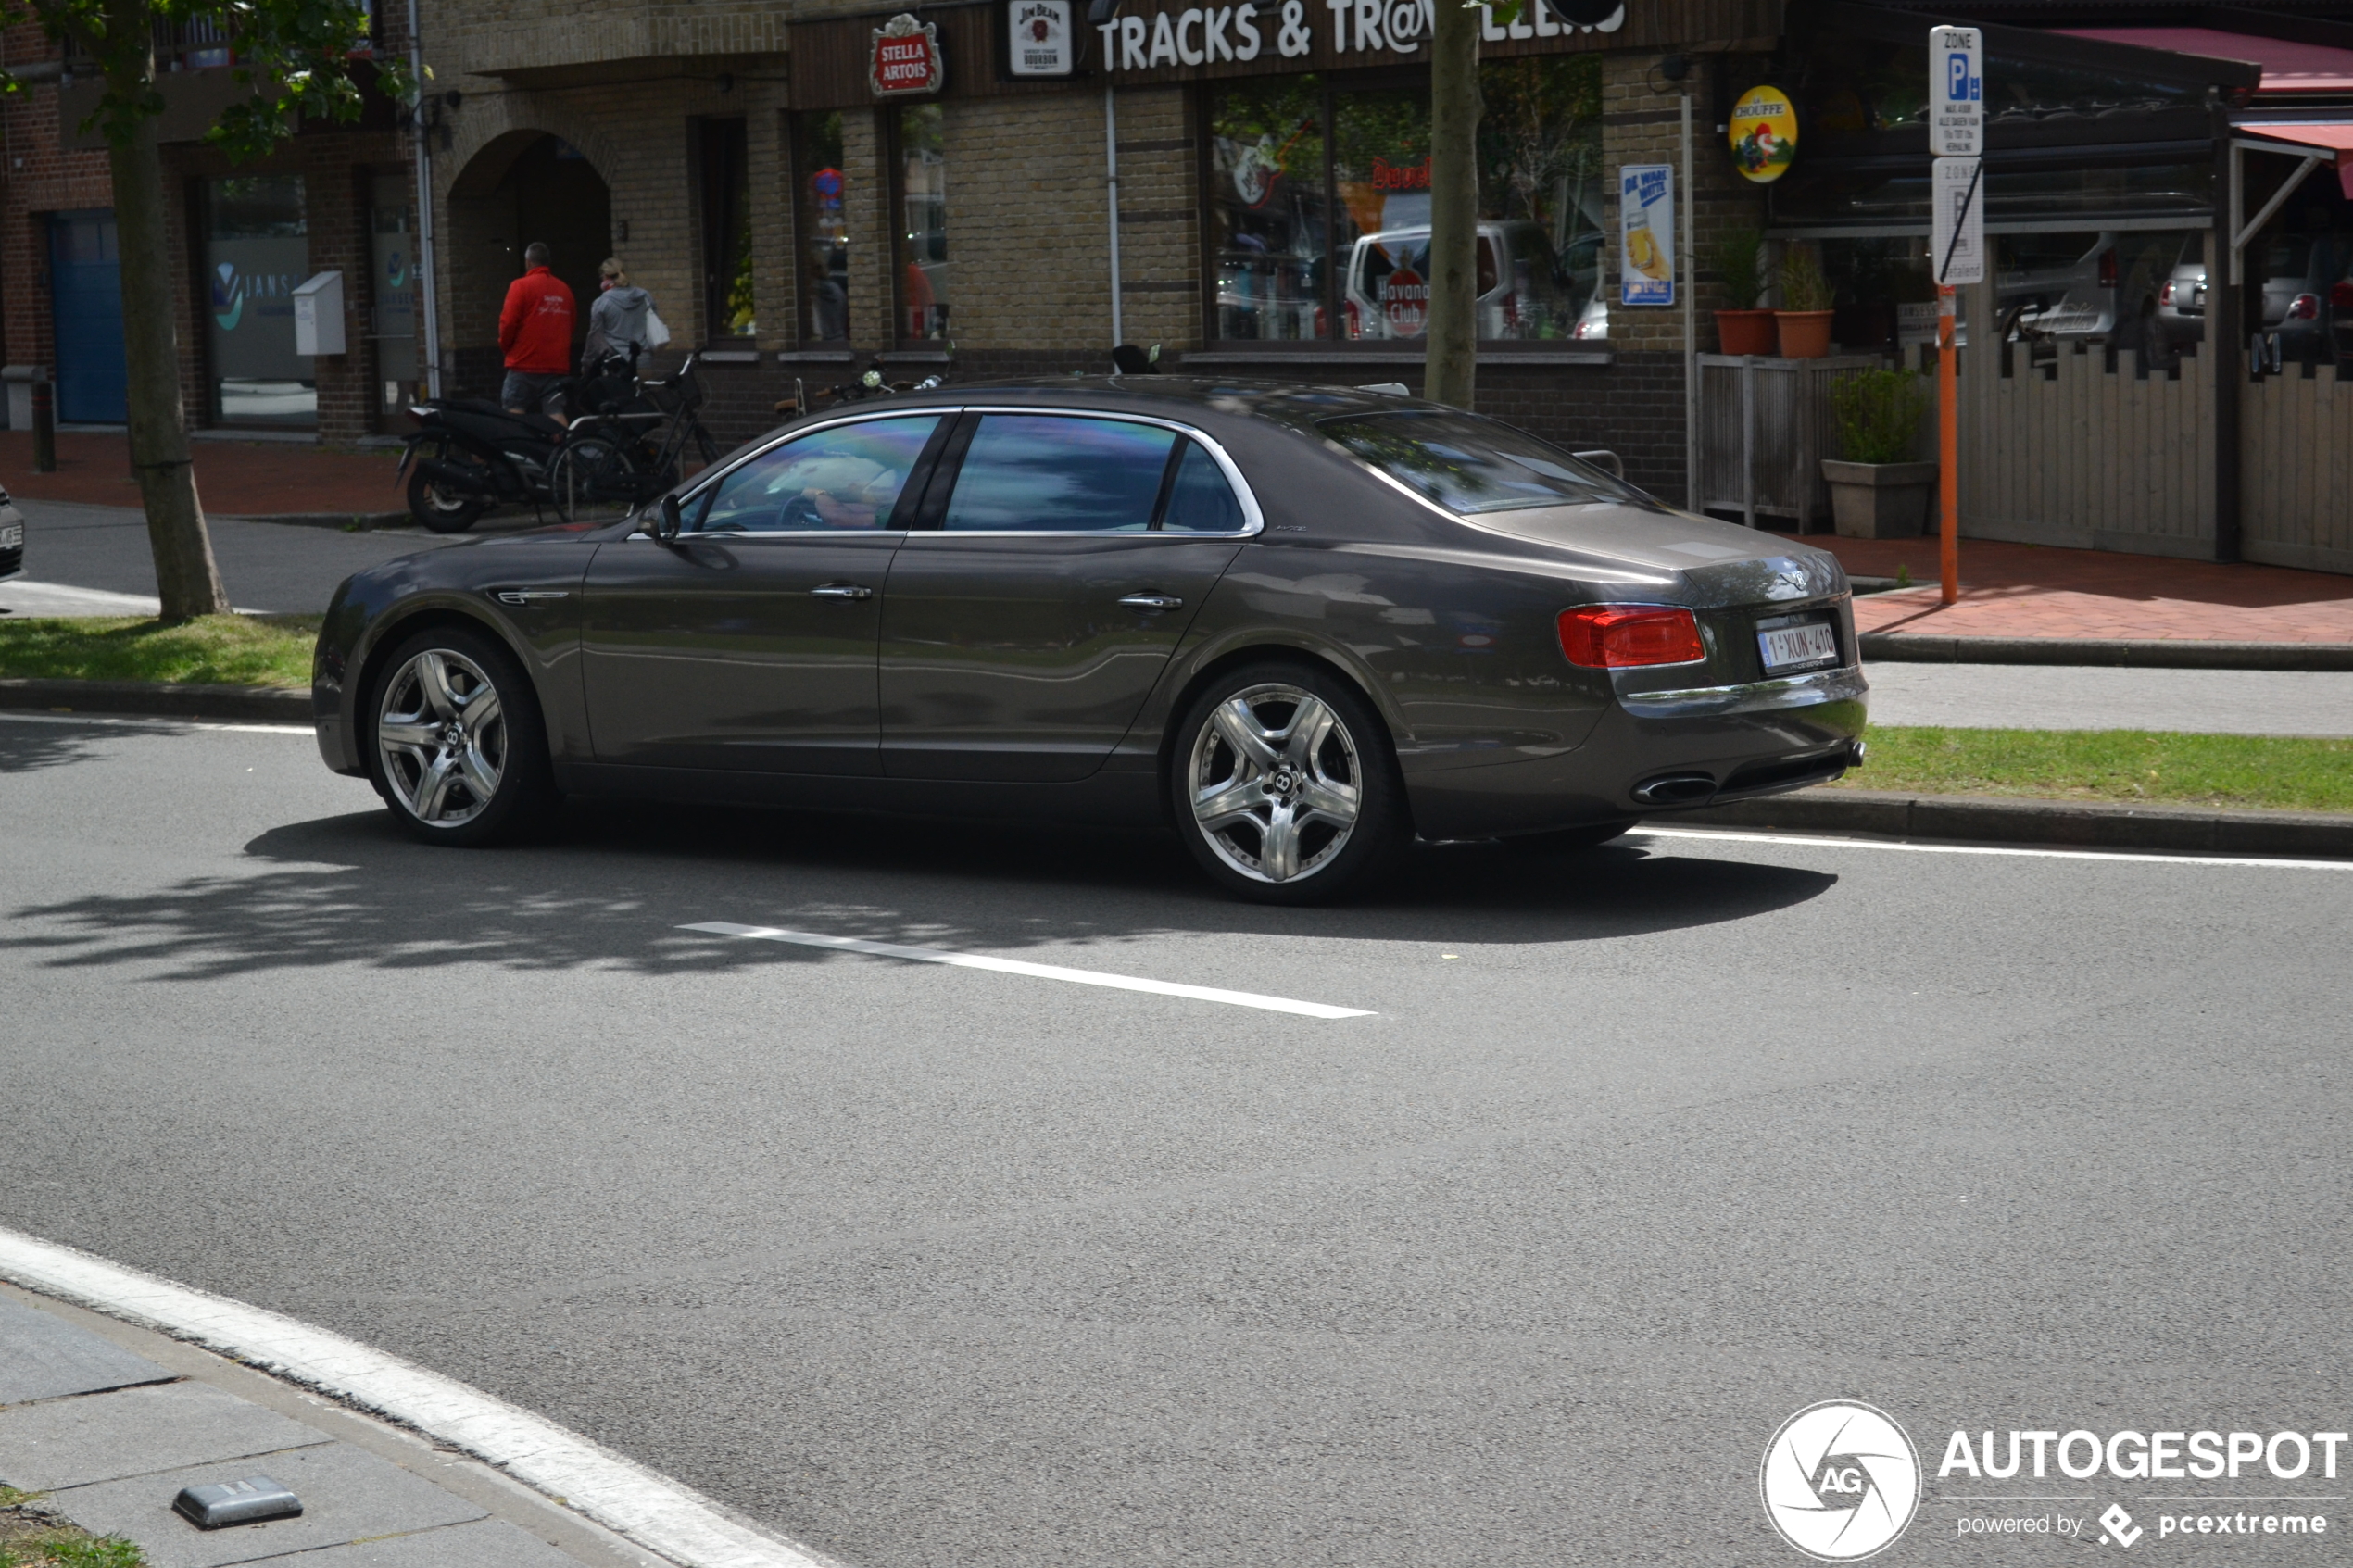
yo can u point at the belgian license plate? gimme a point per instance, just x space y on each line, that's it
1794 644
12 536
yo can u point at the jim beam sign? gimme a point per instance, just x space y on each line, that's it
907 62
1039 40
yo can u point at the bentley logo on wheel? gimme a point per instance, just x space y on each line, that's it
1840 1481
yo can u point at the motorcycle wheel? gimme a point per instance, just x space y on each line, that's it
440 509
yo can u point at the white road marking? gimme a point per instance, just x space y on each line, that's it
1037 971
1990 849
156 723
662 1515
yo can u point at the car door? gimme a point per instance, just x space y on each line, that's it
748 643
1028 616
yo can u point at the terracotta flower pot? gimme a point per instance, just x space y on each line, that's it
1805 334
1746 332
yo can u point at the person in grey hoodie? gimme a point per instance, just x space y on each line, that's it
618 318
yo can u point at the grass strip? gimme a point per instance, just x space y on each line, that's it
237 650
2277 773
33 1534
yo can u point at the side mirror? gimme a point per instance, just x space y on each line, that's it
668 521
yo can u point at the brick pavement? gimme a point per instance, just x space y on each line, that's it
2041 591
234 478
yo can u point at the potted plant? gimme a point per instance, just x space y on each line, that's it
1744 328
1877 491
1804 320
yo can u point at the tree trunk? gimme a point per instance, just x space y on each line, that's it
186 579
1454 205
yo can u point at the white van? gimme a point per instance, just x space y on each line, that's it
1524 290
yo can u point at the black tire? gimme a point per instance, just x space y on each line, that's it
440 510
508 747
1299 781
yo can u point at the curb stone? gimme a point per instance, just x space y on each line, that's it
164 699
2074 824
2143 653
362 523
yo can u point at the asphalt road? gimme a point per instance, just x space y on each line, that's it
1639 1152
272 567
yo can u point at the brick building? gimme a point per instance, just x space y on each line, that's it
333 198
795 225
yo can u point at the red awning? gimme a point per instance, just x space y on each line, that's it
2288 67
2329 139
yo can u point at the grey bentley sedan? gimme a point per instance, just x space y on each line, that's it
1298 625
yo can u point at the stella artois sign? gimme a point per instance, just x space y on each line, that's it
907 60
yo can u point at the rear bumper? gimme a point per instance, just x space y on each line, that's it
1720 742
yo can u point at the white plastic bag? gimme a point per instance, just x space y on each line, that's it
657 334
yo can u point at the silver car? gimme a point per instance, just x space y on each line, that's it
11 537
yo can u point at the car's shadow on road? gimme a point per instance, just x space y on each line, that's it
613 886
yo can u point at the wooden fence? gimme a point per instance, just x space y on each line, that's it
2296 496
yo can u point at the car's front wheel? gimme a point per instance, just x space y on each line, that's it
455 742
1285 786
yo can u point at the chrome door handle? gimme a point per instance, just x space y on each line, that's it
1151 601
842 591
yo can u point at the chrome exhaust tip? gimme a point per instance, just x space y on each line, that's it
1675 789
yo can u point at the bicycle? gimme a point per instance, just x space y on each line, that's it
611 458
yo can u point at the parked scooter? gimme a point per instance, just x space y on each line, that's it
469 455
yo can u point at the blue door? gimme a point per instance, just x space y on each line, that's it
85 290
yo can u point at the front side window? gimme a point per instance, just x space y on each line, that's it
1466 464
1055 473
850 477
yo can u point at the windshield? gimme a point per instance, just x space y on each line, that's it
1466 464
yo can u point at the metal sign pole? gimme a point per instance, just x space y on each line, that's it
1949 448
1957 253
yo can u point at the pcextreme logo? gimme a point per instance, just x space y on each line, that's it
1840 1481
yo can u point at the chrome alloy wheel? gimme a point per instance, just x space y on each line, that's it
442 737
1275 782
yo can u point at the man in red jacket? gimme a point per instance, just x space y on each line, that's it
535 329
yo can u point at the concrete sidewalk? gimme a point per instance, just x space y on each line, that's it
2029 696
108 1422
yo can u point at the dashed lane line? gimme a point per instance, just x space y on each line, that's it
1034 971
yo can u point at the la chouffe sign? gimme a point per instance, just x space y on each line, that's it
906 58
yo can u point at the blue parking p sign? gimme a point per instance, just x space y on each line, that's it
1956 114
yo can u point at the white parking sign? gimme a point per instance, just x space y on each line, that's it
1956 93
1957 231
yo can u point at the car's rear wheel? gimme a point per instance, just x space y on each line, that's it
1285 787
455 741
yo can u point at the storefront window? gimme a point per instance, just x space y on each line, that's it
1307 246
256 249
727 229
1268 211
825 229
922 245
392 254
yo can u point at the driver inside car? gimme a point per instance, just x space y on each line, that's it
849 479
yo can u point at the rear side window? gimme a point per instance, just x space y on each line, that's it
846 477
1053 473
1201 501
1466 464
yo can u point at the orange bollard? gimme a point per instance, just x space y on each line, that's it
1948 444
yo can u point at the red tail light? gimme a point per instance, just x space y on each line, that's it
1616 636
2165 295
2341 295
2107 268
2304 308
